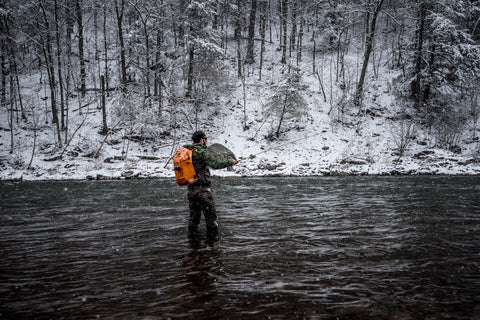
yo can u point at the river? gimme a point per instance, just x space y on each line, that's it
290 248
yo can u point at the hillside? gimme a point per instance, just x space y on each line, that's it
335 137
319 144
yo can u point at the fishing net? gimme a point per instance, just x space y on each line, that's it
221 152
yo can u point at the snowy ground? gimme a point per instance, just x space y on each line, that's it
319 146
324 151
363 143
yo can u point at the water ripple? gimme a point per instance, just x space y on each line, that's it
350 248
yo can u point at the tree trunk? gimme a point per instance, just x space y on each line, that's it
60 67
263 25
293 32
215 16
181 28
4 23
3 62
238 31
300 40
284 108
191 57
146 33
158 71
83 73
284 15
96 27
68 39
123 65
34 120
47 52
19 94
416 86
368 51
104 109
314 38
147 58
10 122
249 59
105 46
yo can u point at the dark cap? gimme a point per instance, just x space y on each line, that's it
198 135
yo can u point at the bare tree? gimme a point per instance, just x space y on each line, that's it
105 45
370 28
48 55
403 133
144 15
237 36
119 12
263 26
69 21
158 66
293 23
314 37
249 59
416 83
8 60
474 112
300 36
284 23
59 64
81 54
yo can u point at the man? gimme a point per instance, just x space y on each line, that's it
200 195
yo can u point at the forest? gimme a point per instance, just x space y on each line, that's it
151 72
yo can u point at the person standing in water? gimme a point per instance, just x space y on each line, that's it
200 197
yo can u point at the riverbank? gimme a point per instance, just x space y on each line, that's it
433 162
378 138
318 145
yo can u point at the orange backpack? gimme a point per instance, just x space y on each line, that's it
183 165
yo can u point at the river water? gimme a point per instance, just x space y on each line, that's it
290 248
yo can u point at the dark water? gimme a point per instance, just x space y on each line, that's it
291 248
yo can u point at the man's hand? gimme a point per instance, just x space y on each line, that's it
235 161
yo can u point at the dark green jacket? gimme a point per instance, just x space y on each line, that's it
203 161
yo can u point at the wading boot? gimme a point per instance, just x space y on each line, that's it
193 232
212 233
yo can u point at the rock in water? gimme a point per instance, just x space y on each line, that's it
220 152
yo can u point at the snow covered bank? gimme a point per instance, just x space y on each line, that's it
320 155
319 145
334 138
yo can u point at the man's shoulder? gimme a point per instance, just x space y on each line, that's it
196 146
199 151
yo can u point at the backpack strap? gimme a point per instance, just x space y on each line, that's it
193 150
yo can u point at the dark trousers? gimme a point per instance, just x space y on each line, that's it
200 201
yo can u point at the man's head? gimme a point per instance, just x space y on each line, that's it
197 136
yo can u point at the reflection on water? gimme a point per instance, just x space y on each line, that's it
314 248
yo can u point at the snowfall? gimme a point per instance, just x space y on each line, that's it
360 141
